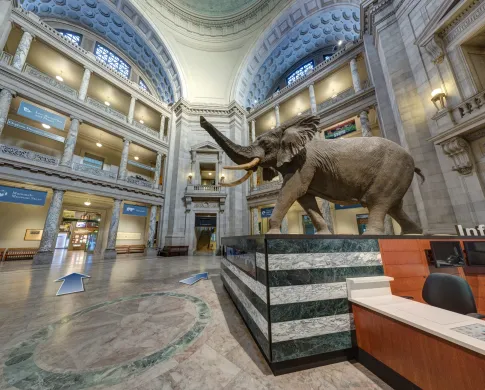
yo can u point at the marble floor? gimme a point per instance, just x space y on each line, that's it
136 327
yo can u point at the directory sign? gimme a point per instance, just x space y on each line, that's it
340 130
39 114
266 212
133 209
22 195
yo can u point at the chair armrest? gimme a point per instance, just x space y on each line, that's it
478 316
406 297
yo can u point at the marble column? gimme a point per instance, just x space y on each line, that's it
110 251
162 126
6 97
83 89
51 227
70 144
355 75
313 100
277 115
365 124
131 111
284 225
158 169
150 248
124 160
254 214
22 50
327 215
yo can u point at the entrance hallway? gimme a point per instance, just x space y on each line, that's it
203 340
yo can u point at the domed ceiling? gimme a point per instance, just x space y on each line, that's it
104 20
214 8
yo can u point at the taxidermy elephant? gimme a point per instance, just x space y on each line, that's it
374 172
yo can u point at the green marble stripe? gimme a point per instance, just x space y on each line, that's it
257 302
20 370
294 349
258 336
324 245
304 310
320 275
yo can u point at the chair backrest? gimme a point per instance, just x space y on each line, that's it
449 292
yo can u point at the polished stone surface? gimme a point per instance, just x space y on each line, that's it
134 308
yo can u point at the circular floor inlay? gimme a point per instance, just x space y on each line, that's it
105 343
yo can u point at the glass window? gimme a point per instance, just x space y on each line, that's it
71 36
93 161
300 72
112 60
142 85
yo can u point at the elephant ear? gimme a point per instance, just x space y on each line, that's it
295 137
269 174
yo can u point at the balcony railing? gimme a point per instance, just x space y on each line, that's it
5 58
270 186
28 155
139 182
93 171
105 108
471 104
204 188
29 69
146 129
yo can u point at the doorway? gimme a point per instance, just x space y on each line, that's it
207 174
79 231
205 233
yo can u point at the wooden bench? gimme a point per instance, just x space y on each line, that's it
124 249
169 251
20 253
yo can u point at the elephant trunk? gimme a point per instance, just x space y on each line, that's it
237 153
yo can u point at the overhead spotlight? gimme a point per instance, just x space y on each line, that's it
87 203
59 78
107 103
340 42
45 126
141 121
137 158
210 173
99 144
255 101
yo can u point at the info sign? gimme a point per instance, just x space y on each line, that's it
133 209
39 114
22 195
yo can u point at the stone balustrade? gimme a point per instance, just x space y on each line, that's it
30 155
146 129
340 96
5 58
105 108
269 186
470 105
93 171
204 188
139 182
30 70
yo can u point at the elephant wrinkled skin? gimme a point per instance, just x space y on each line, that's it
372 171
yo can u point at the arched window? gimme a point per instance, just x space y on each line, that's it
112 60
142 85
300 72
71 36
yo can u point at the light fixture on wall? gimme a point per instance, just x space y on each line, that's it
87 203
137 158
45 126
222 178
189 177
437 95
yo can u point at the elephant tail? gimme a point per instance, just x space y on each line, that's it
420 174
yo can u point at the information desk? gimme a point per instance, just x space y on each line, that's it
410 343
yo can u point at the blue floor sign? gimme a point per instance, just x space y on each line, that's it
71 283
195 278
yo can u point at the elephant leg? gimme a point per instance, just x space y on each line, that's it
408 226
376 219
309 204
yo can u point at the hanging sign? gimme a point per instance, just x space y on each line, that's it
39 114
347 206
133 209
362 221
140 165
340 130
267 212
34 130
205 221
22 195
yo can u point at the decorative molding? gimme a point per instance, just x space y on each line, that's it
139 182
475 11
435 48
5 58
196 109
93 171
29 69
28 155
459 151
105 108
146 129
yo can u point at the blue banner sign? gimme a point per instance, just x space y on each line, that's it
267 212
22 195
140 165
34 130
348 206
39 114
133 209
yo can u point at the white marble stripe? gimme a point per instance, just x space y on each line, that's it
323 260
307 293
260 260
252 311
299 329
258 288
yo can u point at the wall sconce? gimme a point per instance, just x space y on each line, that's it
222 178
437 95
190 177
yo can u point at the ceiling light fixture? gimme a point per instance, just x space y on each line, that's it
107 103
87 203
137 158
334 96
45 126
99 144
59 78
141 121
340 42
210 173
299 113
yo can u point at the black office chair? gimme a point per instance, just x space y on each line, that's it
451 293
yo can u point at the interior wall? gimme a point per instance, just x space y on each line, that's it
132 224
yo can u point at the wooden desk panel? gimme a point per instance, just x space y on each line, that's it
427 361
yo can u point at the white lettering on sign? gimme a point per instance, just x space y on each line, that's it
470 232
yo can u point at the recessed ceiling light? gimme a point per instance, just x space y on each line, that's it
99 144
137 158
255 100
59 78
107 103
334 96
45 126
210 173
340 42
299 113
141 121
87 203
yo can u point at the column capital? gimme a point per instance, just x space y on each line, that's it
118 199
59 189
72 117
126 140
26 30
88 69
12 92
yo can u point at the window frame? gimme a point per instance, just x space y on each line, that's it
111 54
300 72
144 86
65 33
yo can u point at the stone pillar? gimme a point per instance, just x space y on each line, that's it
313 100
355 75
124 160
158 169
5 23
150 248
110 251
51 227
70 144
162 126
365 124
83 89
22 50
277 115
284 225
254 214
6 97
254 176
131 111
327 215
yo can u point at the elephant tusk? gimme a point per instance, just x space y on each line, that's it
248 165
241 180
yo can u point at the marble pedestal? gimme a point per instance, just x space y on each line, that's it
43 258
109 254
